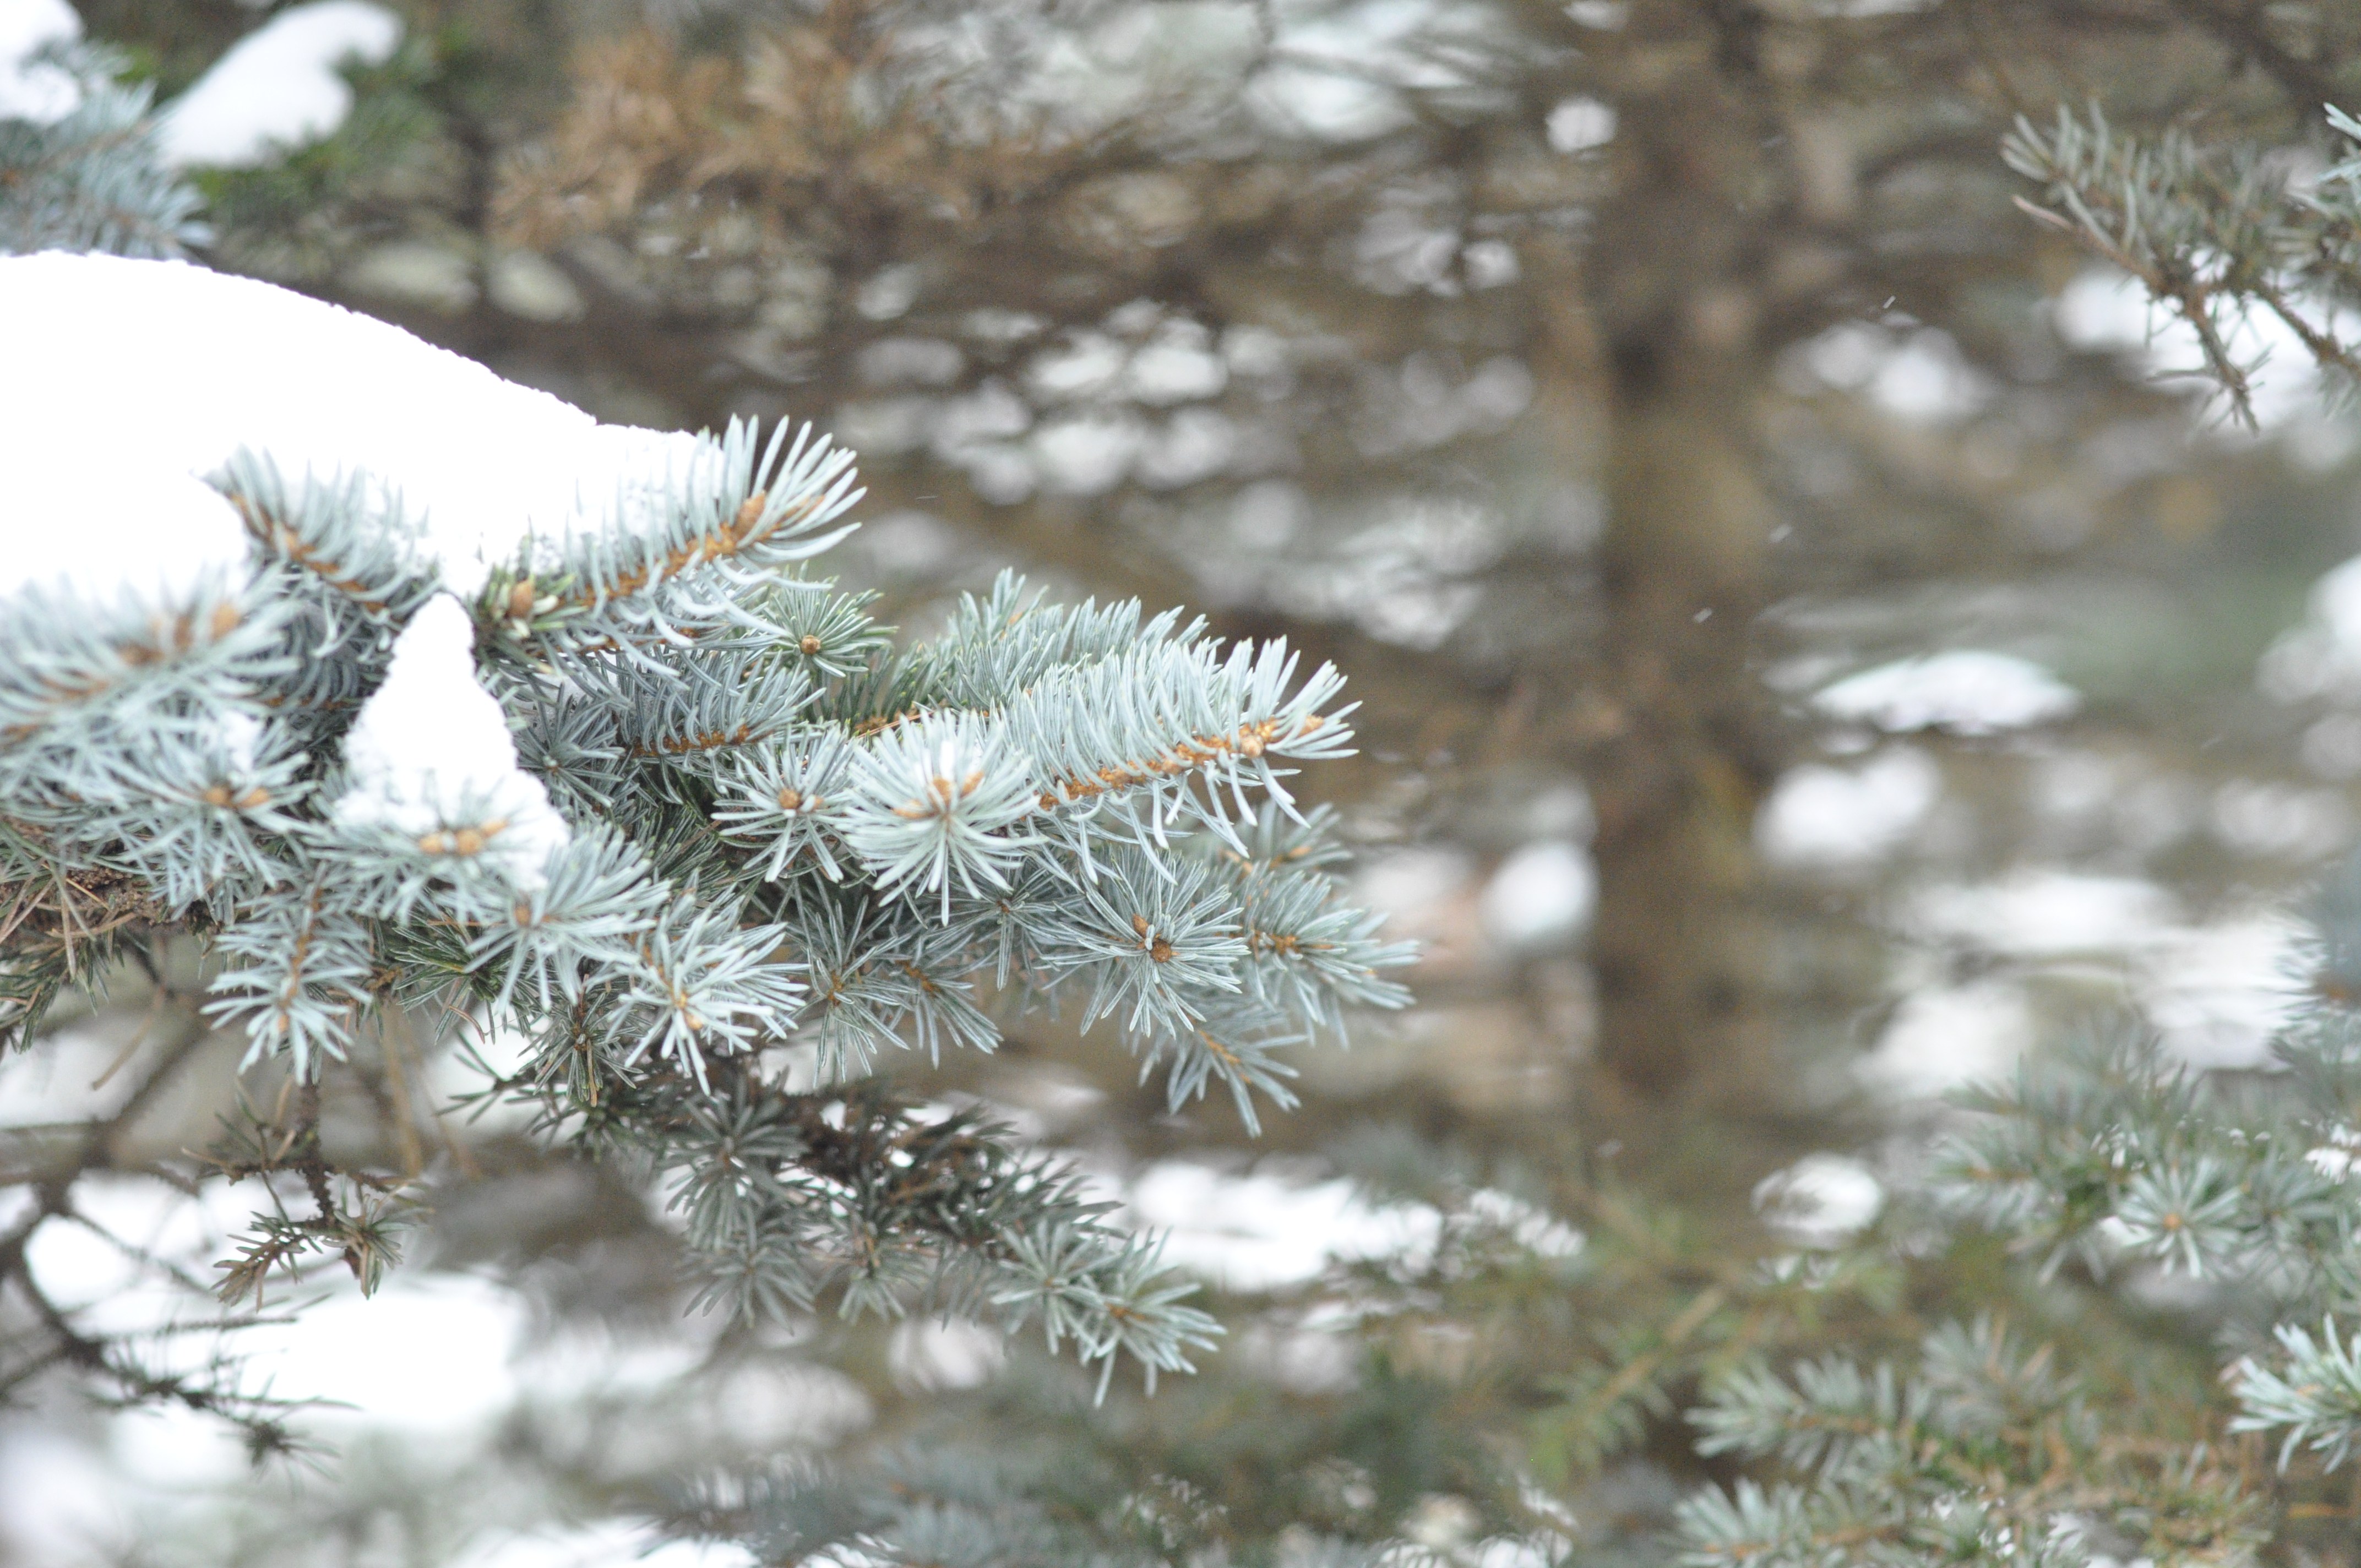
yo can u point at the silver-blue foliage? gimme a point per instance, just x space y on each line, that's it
788 842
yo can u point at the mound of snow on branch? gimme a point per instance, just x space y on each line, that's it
278 86
132 381
432 748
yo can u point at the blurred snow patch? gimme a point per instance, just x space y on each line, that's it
1441 1522
901 361
58 1499
56 1079
1489 263
465 1069
1339 92
1409 884
1087 453
1430 894
1581 124
2331 747
168 1447
1561 811
2217 993
1177 365
1938 1040
1543 1549
2321 656
1259 1232
418 271
1084 365
1262 1231
2336 600
277 87
526 283
2048 913
1523 1223
1195 444
1919 375
766 1405
2107 309
934 1352
439 1353
40 93
613 1543
1842 817
1967 691
2257 817
2337 1157
1541 894
1822 1199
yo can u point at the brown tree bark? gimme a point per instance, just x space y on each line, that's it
1677 770
1677 778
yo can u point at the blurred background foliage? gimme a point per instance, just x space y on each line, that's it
1810 656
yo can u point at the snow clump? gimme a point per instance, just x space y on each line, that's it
431 753
278 86
132 382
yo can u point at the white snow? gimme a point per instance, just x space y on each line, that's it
2257 817
2336 604
1087 453
1176 365
81 520
277 87
611 1543
1969 691
1941 1037
1264 1231
935 1354
1581 124
1821 1200
1424 891
40 93
2219 993
442 1348
1841 818
2047 913
2108 310
2321 656
1919 376
1260 1232
130 379
1194 444
2216 992
430 750
1542 893
2337 1157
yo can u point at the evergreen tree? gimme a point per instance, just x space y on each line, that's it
2056 1412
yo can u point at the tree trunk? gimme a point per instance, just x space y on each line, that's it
1675 780
1672 294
